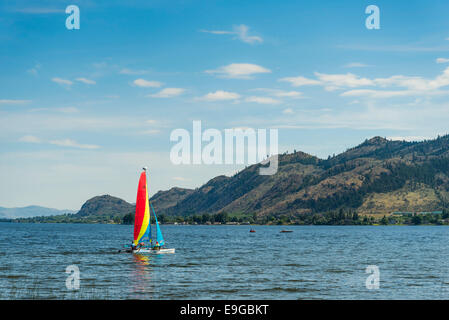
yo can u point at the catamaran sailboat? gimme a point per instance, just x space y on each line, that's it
143 242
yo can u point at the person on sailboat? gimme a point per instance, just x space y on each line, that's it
157 246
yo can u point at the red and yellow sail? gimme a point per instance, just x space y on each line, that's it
142 217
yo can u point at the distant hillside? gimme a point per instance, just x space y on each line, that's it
105 205
377 177
113 206
30 211
165 199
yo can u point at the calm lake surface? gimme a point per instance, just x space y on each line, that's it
225 262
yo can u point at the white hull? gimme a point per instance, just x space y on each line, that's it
151 251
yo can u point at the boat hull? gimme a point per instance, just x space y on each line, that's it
151 251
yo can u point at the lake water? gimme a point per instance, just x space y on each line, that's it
225 262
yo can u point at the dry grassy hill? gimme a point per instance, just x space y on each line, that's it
377 177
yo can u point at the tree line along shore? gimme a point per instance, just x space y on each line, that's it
337 217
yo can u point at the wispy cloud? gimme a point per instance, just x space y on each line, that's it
299 81
61 143
73 144
442 60
220 95
30 139
34 70
241 33
85 80
334 81
375 93
61 81
67 110
370 116
168 93
262 100
62 110
407 85
155 127
239 70
151 131
13 102
281 93
147 84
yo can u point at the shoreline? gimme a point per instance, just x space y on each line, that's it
248 225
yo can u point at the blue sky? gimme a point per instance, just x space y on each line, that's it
81 111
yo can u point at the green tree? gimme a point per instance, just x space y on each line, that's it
128 219
416 219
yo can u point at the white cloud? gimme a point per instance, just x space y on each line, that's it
288 94
73 144
151 131
62 81
30 139
262 100
168 93
220 95
280 93
342 80
85 80
147 84
11 101
415 83
411 85
287 111
239 70
442 60
241 33
375 93
300 81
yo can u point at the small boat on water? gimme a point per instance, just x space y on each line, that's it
252 230
286 231
143 241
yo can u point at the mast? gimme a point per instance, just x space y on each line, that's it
148 232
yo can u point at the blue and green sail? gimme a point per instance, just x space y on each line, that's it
159 238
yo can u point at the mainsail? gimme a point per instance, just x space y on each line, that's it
142 217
